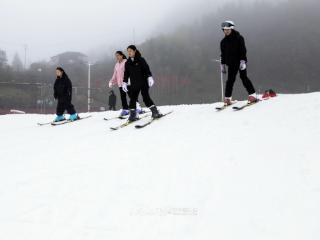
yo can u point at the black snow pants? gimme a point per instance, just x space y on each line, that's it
65 105
232 75
134 95
124 102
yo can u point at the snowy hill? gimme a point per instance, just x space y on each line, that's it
194 175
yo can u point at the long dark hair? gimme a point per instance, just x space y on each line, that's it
64 75
134 48
121 54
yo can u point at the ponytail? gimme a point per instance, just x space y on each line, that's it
134 48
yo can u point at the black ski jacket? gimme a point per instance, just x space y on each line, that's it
233 49
63 89
138 71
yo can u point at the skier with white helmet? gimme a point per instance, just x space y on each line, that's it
234 60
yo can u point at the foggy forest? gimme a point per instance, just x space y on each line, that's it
282 39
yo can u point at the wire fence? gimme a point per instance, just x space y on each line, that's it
38 97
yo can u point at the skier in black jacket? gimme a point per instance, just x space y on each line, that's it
63 93
234 55
138 78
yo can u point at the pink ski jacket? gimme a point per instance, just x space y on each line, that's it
117 78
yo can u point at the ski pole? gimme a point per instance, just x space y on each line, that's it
221 78
222 87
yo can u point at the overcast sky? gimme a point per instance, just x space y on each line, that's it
50 27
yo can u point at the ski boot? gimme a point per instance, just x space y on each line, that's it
124 112
272 93
252 99
269 94
139 111
227 101
133 115
59 118
266 95
74 117
155 112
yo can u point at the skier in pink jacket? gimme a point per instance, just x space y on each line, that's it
117 80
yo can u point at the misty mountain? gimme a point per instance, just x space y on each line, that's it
283 42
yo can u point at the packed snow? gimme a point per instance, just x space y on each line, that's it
196 174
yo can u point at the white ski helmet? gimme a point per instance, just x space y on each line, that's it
227 25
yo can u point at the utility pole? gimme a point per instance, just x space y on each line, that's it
43 100
89 86
25 46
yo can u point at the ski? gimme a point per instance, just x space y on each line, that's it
124 117
127 123
44 124
225 106
238 108
68 121
113 118
152 120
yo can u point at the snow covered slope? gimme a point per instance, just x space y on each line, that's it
194 175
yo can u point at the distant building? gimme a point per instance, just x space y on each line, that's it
69 58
